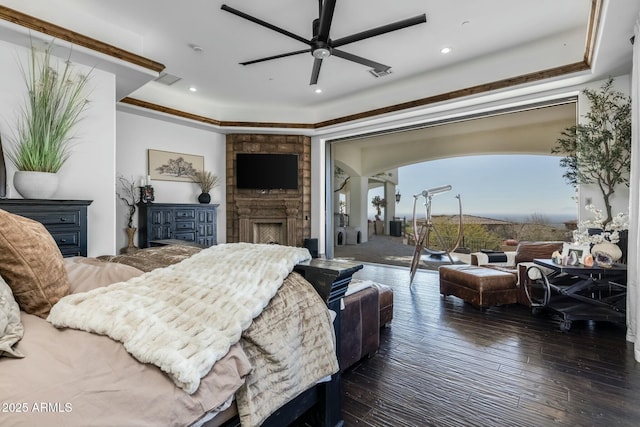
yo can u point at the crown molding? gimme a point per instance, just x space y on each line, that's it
62 33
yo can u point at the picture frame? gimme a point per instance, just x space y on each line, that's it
172 166
581 251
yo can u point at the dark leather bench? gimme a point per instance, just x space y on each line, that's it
364 313
480 286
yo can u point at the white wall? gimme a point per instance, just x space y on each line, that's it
89 172
137 131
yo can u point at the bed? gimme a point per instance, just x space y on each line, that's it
130 346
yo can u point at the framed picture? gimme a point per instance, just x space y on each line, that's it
581 251
169 166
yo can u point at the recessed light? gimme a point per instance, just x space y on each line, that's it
318 90
193 88
445 50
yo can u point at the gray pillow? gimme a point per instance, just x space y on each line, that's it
11 329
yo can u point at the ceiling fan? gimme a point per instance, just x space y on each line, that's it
321 46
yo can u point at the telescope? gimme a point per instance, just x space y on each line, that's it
434 191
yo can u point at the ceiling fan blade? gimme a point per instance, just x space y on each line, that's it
360 60
282 55
420 19
315 73
265 24
326 16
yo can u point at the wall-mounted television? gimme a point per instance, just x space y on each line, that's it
267 171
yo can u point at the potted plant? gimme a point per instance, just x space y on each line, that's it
379 203
599 150
56 99
207 181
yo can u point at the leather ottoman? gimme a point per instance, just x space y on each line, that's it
359 326
480 286
385 302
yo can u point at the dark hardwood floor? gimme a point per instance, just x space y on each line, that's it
444 363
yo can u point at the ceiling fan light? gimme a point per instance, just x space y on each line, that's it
321 53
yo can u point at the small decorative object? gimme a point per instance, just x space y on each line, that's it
128 196
588 261
556 257
573 254
594 231
55 102
573 259
147 194
605 254
207 181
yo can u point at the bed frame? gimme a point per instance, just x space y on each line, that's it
320 405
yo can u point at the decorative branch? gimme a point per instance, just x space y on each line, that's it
129 196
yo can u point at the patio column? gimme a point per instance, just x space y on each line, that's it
390 209
359 189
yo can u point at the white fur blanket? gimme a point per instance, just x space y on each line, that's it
183 318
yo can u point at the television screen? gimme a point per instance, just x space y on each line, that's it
262 171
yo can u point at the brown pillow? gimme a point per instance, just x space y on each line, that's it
527 251
31 264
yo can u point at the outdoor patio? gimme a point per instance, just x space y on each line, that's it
390 250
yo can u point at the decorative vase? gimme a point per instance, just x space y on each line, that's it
204 198
131 232
35 185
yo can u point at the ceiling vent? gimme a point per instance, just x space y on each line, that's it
380 73
167 79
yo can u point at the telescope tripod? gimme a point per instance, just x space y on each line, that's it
422 236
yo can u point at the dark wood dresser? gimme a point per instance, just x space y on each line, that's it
66 220
197 223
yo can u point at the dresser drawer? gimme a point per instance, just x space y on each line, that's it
182 214
188 236
71 238
49 218
185 225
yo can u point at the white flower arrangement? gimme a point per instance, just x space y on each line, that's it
610 232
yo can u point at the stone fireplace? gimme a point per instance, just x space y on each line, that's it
280 216
267 220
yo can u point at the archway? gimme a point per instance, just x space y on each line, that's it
529 132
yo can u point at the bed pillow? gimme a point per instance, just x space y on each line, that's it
11 329
31 264
86 274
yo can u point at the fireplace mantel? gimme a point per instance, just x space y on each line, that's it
278 211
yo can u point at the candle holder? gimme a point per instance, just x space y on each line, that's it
146 194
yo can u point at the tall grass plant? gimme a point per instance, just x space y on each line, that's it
57 97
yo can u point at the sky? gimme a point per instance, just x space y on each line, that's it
497 186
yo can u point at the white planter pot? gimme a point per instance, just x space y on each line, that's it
35 185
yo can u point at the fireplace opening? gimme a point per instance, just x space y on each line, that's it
269 232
